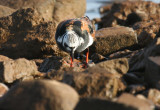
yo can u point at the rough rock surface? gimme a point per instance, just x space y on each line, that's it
44 7
95 82
40 95
67 9
25 34
51 9
129 12
3 89
59 63
115 66
5 11
140 104
112 39
154 95
146 31
12 70
3 58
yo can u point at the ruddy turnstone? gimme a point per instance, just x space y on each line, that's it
75 35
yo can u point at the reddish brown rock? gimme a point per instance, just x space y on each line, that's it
5 11
95 82
129 12
123 54
25 34
51 9
41 94
112 39
59 63
12 70
44 7
115 66
3 89
97 58
130 100
147 31
154 95
67 9
3 58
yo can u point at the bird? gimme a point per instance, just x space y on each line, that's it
75 35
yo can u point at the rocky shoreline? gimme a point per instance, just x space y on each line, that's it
124 69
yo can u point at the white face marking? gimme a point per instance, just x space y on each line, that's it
71 39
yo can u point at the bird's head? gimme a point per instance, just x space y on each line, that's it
71 40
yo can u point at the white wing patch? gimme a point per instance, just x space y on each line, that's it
90 41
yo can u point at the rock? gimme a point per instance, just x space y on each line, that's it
129 12
3 89
115 66
136 63
97 58
154 96
95 82
12 70
51 9
145 64
134 78
25 34
59 63
147 31
113 39
100 104
5 11
40 95
139 104
123 54
43 7
152 70
134 89
67 9
3 58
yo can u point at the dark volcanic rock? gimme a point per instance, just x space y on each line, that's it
39 95
112 39
12 70
145 65
5 11
152 72
25 34
140 104
100 104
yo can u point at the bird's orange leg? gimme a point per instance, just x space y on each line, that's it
87 55
71 65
